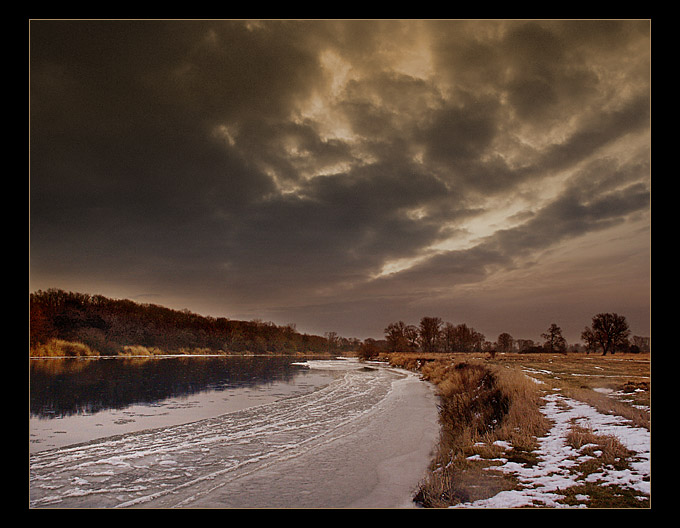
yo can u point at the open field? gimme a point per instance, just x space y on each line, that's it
618 384
539 430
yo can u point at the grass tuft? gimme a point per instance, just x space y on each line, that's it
606 450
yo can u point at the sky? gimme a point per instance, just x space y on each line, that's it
345 174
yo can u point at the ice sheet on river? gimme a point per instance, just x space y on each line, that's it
364 440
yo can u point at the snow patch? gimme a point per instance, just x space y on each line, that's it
541 483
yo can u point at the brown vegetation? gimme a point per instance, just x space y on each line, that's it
610 451
61 348
490 407
480 404
609 333
77 324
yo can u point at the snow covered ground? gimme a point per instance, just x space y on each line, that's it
557 460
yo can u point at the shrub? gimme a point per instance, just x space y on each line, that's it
139 350
61 348
368 350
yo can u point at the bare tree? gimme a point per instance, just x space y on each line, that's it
524 344
554 340
449 337
395 335
505 342
368 350
588 337
610 331
466 339
332 340
642 343
430 333
411 334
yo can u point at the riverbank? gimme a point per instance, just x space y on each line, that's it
530 431
63 349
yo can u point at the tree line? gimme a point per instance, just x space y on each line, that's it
608 333
108 326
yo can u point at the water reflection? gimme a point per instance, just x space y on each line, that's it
65 387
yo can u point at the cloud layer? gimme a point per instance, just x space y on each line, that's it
341 174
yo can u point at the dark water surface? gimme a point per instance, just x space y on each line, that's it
217 432
77 400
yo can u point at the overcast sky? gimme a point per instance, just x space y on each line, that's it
342 175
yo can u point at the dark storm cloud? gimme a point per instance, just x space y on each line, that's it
261 165
596 132
570 216
338 230
597 197
458 135
536 77
121 131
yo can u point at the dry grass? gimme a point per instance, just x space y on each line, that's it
618 384
604 452
605 449
593 495
524 422
139 350
490 408
56 348
61 348
480 403
608 405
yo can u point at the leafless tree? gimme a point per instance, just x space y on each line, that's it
430 333
395 335
610 331
554 340
505 342
588 337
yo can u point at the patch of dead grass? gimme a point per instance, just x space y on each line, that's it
608 405
483 408
594 495
604 450
512 386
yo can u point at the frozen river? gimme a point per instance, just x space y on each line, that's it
359 436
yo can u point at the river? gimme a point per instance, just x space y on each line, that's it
269 433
